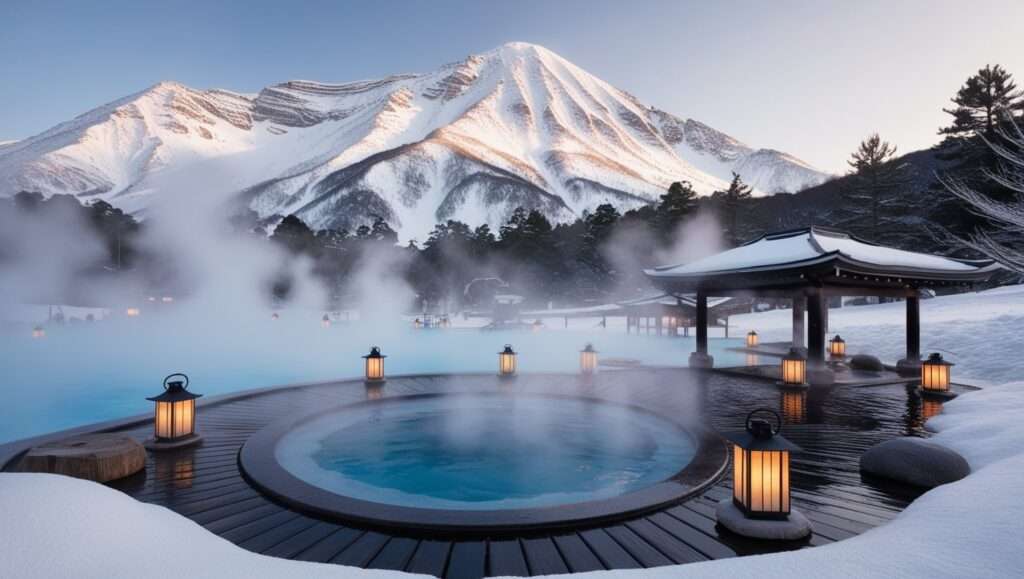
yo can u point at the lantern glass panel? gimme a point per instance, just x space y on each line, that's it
375 368
752 339
174 419
935 376
761 482
837 347
588 362
506 364
794 371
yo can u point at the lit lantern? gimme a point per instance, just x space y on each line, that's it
935 374
175 418
132 312
417 323
837 347
588 359
794 406
374 365
752 339
507 361
794 368
761 468
38 332
325 322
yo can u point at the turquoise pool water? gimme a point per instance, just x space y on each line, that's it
82 374
484 452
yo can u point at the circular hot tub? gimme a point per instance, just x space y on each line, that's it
479 461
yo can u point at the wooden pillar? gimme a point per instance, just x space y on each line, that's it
816 328
911 365
658 324
727 327
799 305
702 323
700 358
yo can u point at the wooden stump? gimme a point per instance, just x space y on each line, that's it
95 457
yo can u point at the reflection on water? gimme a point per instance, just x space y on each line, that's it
176 466
794 406
919 409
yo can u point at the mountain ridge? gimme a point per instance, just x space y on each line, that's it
517 125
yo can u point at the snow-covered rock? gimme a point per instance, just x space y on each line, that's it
518 125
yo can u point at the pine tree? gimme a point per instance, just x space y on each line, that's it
873 191
729 202
980 103
675 205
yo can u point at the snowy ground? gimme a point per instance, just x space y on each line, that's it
971 528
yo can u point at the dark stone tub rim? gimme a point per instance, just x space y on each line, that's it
260 467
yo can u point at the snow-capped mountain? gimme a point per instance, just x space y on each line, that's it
518 125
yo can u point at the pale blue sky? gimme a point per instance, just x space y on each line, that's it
808 77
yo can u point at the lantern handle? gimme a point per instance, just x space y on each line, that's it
778 419
176 374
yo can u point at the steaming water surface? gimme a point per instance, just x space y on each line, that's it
485 452
84 373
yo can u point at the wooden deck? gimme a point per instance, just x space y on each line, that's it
833 426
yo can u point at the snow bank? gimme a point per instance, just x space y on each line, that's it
970 528
56 526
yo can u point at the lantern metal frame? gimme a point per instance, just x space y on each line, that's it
794 356
837 347
936 377
175 398
588 360
759 436
752 339
374 366
508 362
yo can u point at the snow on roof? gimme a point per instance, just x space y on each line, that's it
810 245
671 300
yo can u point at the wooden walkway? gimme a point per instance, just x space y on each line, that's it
834 427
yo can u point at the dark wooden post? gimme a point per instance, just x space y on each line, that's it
817 323
658 325
700 358
799 305
911 365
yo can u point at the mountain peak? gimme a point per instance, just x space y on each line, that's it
517 126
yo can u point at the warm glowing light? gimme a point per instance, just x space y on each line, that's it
794 406
374 391
752 339
175 415
374 365
417 323
325 322
588 359
761 469
753 360
38 332
132 312
837 347
794 368
507 361
930 407
935 374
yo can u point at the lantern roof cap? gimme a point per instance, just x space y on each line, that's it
589 348
936 358
794 354
175 390
508 350
760 435
374 353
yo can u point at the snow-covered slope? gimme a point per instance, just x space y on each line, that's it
518 125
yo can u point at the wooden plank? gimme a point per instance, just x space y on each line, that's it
268 539
612 555
577 554
664 542
329 546
395 555
301 541
467 560
641 550
227 523
430 558
226 510
707 546
261 525
543 557
362 551
505 558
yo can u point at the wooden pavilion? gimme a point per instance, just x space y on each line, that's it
808 266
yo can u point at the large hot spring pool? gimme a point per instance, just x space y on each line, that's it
485 452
